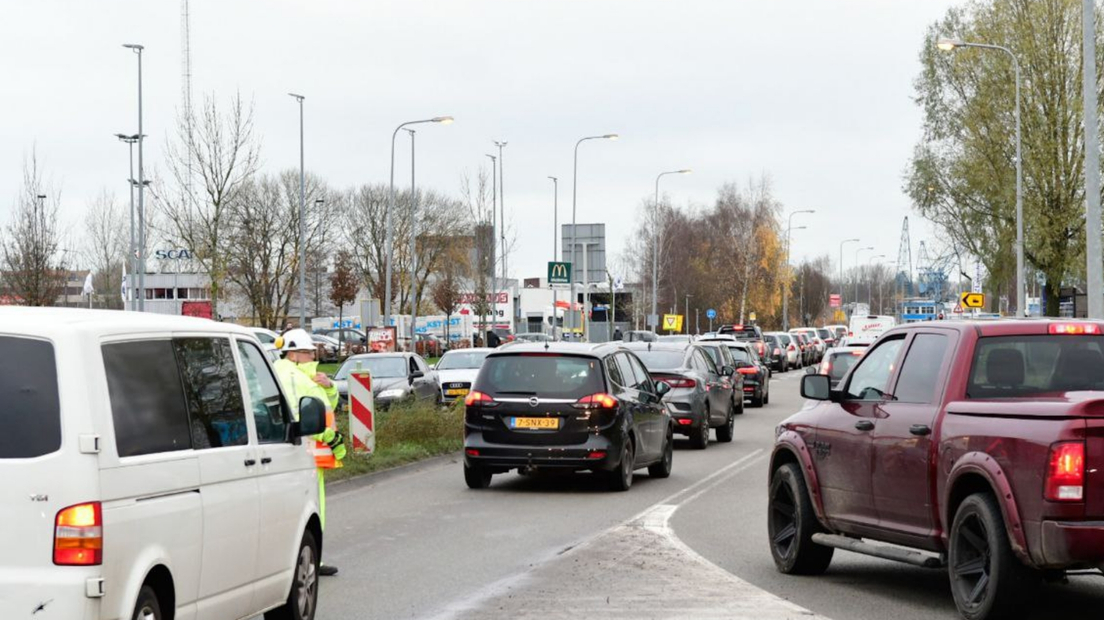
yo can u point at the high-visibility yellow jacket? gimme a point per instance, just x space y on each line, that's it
298 382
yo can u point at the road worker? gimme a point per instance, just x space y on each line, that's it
299 376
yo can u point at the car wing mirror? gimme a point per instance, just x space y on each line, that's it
417 374
816 387
727 370
810 370
662 388
312 417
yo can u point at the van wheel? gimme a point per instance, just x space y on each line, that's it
477 477
987 580
791 524
662 469
147 607
303 599
621 478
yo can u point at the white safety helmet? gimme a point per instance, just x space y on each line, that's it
295 340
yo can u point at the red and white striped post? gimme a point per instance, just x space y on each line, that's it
362 412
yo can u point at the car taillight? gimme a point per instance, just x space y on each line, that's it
1075 329
791 348
747 371
762 347
1065 481
78 535
777 351
596 401
478 399
681 382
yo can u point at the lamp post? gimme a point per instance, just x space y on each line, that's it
686 317
502 221
841 266
137 49
869 281
318 202
555 246
131 259
390 250
494 239
949 45
786 283
302 222
857 252
655 247
413 248
574 193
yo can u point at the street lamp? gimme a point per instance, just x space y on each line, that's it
655 247
137 49
786 284
390 250
555 246
857 252
413 248
318 202
131 259
841 265
494 239
302 222
950 45
869 281
502 218
574 188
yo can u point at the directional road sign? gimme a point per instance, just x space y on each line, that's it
973 300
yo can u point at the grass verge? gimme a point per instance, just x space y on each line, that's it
404 434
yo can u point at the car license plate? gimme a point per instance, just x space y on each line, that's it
535 423
456 392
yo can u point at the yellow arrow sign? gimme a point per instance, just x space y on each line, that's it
973 300
672 322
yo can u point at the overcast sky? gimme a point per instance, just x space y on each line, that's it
817 94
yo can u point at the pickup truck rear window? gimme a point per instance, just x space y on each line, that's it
31 415
1024 366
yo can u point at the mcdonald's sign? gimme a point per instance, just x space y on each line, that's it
559 273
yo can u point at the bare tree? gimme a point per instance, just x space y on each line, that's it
343 285
105 246
33 259
218 148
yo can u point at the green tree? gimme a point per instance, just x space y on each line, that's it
962 173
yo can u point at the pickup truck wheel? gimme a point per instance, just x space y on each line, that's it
791 524
987 580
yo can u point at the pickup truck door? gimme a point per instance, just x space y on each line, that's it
902 437
842 451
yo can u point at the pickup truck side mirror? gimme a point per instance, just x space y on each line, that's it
312 417
816 387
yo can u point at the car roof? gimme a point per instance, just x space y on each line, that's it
53 322
658 346
470 350
389 354
569 348
1000 327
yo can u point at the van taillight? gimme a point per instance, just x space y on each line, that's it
78 535
596 401
1065 481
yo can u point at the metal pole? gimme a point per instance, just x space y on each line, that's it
502 230
141 196
655 256
1095 267
586 319
494 239
302 225
555 247
686 318
574 196
413 250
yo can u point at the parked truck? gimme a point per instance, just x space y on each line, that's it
973 446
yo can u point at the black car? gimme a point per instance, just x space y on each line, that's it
568 406
775 355
756 373
702 396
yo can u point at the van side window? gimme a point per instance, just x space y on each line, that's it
268 406
212 391
147 398
31 413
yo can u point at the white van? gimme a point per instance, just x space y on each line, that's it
870 325
150 464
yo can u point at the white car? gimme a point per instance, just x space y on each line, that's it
457 370
151 470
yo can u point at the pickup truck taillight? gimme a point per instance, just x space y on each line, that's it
1065 481
78 535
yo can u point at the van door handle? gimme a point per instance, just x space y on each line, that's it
920 430
250 462
864 425
266 460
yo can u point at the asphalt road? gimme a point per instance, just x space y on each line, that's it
417 543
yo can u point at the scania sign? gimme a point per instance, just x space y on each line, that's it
180 254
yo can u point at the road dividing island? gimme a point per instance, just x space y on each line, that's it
362 412
637 570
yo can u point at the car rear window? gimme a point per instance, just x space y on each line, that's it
660 360
31 415
740 354
1024 366
545 375
823 333
840 363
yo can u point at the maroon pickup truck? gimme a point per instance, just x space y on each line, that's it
975 446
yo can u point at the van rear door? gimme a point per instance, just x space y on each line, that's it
44 472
